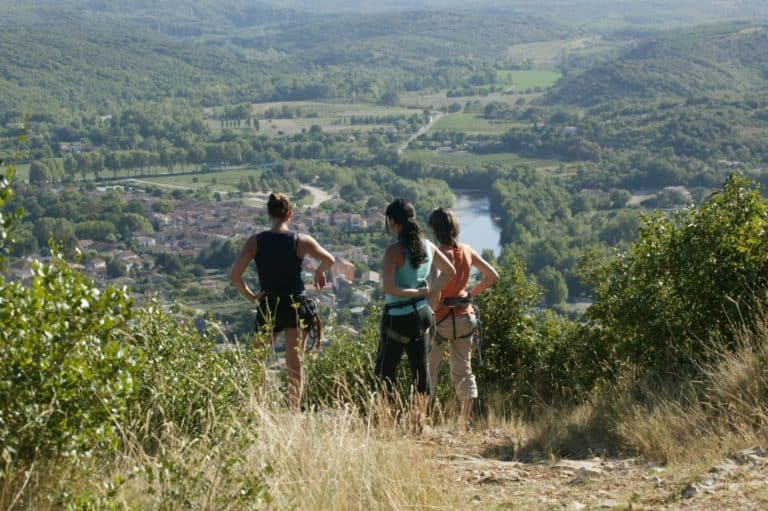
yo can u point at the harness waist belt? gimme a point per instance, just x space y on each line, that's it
405 303
297 294
456 300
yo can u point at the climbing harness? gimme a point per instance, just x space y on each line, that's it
452 303
397 336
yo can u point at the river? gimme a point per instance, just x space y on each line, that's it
473 208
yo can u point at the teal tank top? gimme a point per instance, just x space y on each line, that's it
409 277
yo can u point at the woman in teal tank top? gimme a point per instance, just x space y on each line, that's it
407 316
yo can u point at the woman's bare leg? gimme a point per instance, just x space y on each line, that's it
294 354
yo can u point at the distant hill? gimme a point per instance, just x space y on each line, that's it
690 63
102 53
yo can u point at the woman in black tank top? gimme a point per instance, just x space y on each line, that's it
278 254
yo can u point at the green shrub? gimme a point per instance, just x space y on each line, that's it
343 371
6 221
685 281
67 364
186 379
530 357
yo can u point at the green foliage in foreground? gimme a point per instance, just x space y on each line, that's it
82 370
686 281
531 357
67 370
6 221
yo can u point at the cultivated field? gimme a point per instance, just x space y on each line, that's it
473 124
545 54
330 116
465 159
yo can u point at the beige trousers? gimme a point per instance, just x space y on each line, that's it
461 353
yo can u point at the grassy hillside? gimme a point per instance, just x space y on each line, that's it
691 63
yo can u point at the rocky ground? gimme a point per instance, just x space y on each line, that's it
496 476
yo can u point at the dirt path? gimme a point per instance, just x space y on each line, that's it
432 120
318 195
495 476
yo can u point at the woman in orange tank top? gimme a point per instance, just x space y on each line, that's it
454 315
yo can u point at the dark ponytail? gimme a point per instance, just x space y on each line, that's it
403 214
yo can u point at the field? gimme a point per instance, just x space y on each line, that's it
464 159
437 100
220 180
330 116
22 172
527 80
473 124
545 54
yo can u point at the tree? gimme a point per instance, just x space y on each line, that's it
389 98
128 223
39 173
554 286
686 279
116 268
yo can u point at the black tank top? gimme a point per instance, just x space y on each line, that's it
277 264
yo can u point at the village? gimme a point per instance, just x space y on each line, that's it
193 226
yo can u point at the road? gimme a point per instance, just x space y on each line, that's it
432 120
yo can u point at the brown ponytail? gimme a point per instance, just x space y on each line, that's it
445 225
278 206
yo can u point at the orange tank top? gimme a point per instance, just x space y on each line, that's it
461 258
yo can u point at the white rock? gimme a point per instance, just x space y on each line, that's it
755 455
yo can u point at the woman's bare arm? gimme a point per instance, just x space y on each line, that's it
239 267
489 273
444 265
309 247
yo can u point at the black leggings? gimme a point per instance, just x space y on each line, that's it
415 326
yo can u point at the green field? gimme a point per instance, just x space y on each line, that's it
437 100
22 172
546 54
221 180
527 80
330 116
464 159
472 124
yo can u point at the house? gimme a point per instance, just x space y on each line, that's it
344 269
353 254
84 244
370 276
21 270
145 241
570 131
97 265
359 297
74 147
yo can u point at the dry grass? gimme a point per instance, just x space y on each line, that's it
260 457
678 422
264 456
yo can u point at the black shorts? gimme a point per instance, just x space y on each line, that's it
281 312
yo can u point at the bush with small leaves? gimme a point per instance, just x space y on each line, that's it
67 364
686 281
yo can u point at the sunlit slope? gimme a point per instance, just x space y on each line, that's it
696 62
